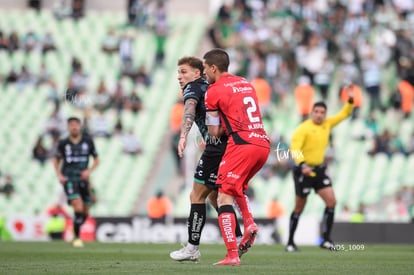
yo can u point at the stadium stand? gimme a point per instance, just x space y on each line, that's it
24 112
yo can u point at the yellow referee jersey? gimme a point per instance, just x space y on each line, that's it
310 140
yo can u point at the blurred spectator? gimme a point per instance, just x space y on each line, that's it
14 43
3 41
410 148
130 144
111 42
43 76
53 93
371 125
79 79
274 211
102 99
11 77
134 103
359 216
407 97
56 124
48 43
30 41
85 126
304 94
118 128
161 30
323 77
142 76
77 9
8 187
372 80
382 144
25 78
264 93
125 54
118 98
39 151
159 206
397 145
75 64
344 215
176 114
55 227
100 125
62 8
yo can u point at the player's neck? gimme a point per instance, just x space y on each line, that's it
75 139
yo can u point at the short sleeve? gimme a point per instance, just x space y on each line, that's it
211 100
192 90
92 149
60 152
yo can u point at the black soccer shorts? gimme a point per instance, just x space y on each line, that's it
78 189
304 184
208 165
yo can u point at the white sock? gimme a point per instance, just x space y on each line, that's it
192 247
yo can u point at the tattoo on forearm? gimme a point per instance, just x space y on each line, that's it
188 116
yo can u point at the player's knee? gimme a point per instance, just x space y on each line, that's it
331 203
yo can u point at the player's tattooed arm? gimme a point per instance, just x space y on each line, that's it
188 116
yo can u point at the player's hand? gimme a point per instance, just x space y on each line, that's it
181 146
85 174
350 89
307 171
62 179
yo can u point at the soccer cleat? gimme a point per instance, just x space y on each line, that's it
77 243
291 247
229 261
184 254
328 244
248 238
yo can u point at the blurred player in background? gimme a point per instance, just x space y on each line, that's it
232 108
308 146
74 152
190 71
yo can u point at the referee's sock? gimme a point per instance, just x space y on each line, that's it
77 223
239 233
195 223
327 222
294 218
227 221
244 206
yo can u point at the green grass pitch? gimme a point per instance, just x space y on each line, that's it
105 258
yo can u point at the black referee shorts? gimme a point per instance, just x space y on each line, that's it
304 184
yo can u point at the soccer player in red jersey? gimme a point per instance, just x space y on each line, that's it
232 108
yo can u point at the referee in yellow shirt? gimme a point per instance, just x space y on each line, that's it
308 147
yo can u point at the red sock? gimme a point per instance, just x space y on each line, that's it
227 221
244 206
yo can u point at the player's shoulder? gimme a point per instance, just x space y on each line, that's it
64 140
87 138
196 86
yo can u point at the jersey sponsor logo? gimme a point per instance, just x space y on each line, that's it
231 84
242 89
200 173
232 175
85 148
68 150
326 181
256 126
76 159
256 135
227 227
305 190
200 163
